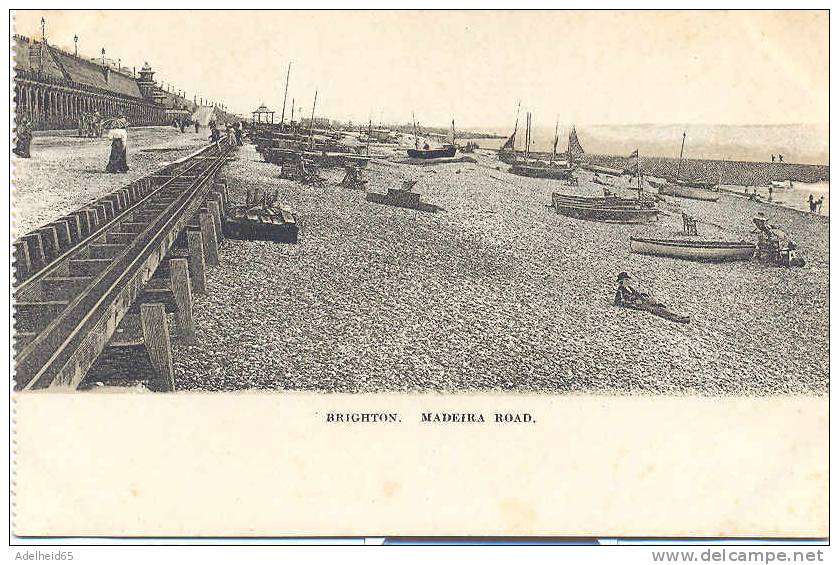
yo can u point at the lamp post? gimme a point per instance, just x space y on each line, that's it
76 42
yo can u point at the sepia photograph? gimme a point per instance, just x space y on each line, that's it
520 209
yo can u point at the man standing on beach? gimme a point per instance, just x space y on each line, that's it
773 157
812 203
23 136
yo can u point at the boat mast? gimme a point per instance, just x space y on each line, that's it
285 96
291 121
556 140
638 170
516 128
369 135
527 139
312 122
453 138
681 153
416 139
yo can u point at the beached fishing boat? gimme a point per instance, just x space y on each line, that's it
606 209
541 170
447 150
694 189
438 153
535 168
693 250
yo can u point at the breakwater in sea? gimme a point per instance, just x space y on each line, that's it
744 173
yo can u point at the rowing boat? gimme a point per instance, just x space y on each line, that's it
694 193
604 201
693 250
606 209
540 170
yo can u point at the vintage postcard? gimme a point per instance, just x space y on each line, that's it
420 273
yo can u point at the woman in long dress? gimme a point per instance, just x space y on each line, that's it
118 161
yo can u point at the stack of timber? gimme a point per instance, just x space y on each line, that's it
261 218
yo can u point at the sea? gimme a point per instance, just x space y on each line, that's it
796 143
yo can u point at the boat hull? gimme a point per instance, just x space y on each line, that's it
612 210
548 172
447 151
688 192
710 251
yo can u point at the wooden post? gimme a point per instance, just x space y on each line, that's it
158 345
195 244
215 211
179 277
208 232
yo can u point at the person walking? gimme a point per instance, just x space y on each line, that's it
118 161
812 203
196 126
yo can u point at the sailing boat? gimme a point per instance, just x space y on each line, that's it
507 152
696 190
528 167
447 150
575 149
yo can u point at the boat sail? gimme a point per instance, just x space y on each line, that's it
575 149
507 152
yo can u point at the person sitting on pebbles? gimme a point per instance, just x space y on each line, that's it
625 293
630 297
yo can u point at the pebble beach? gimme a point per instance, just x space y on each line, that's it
497 292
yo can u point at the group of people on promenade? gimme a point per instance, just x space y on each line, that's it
232 131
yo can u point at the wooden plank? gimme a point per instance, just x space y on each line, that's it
63 288
87 267
208 232
62 232
179 276
36 249
22 339
122 238
49 241
215 211
73 228
23 265
83 222
159 346
195 246
163 296
34 316
105 250
133 227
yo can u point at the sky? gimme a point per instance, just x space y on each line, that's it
586 67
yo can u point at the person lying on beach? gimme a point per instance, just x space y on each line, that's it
627 294
630 297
